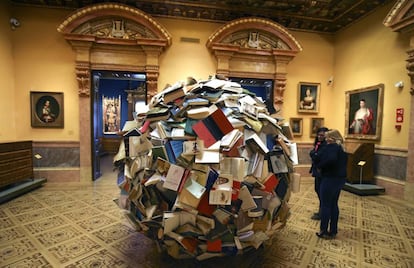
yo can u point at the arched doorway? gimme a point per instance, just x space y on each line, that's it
111 37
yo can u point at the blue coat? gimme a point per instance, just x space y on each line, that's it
314 156
331 160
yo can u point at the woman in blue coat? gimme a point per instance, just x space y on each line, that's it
331 160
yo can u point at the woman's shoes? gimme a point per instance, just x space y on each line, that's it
316 217
332 235
325 235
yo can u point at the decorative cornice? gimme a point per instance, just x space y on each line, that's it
252 24
401 16
102 11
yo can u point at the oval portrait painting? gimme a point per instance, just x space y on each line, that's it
47 109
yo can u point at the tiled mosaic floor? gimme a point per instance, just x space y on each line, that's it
75 225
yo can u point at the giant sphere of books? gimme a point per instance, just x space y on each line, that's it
205 172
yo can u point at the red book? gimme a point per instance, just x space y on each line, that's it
204 133
234 151
144 126
204 206
214 245
270 183
222 121
235 190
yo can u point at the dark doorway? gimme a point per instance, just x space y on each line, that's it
112 106
261 87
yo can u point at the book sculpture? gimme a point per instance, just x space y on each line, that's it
206 171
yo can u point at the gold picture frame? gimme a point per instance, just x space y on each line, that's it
315 124
296 124
46 109
363 114
308 97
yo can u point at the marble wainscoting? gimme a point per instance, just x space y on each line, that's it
60 161
390 167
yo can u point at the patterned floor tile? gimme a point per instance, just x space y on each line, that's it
348 219
406 220
349 232
286 252
16 249
34 260
69 206
45 224
34 215
25 207
384 241
380 227
346 247
409 232
297 233
324 259
8 234
102 258
377 215
385 258
374 205
58 235
56 199
80 226
135 246
75 248
113 232
108 205
81 213
95 222
6 223
3 213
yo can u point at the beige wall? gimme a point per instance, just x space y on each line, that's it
43 61
368 53
183 59
8 106
314 64
364 54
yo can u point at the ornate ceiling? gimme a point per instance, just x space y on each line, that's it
327 16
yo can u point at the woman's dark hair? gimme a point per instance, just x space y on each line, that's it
321 129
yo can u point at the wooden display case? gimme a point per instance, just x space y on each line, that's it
360 152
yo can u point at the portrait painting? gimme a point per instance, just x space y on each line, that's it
296 125
316 123
308 97
46 109
363 114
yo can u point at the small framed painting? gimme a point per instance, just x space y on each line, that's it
47 109
316 123
308 97
296 125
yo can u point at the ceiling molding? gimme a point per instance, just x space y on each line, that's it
323 16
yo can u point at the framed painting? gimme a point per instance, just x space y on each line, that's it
363 114
308 97
316 123
297 125
111 114
47 109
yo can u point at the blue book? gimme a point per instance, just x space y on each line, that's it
177 147
211 178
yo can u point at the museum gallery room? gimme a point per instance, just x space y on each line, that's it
198 133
